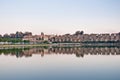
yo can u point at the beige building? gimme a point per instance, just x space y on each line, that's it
86 38
35 38
74 38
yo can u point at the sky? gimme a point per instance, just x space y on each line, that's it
59 16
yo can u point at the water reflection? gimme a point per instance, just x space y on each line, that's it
78 51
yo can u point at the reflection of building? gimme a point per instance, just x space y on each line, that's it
78 51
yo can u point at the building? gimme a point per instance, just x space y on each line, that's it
74 38
37 38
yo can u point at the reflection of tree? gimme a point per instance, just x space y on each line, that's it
13 51
79 55
78 51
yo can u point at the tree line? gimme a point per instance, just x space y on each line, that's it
14 37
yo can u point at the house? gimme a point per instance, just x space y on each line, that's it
33 39
37 38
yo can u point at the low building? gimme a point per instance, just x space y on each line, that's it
33 39
37 38
68 38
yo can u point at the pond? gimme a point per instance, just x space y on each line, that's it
60 63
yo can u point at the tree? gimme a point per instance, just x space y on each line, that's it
79 32
27 34
26 41
82 32
46 42
19 34
12 35
0 36
6 36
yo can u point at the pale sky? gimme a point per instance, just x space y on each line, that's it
59 16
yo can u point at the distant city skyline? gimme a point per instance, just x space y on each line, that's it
59 16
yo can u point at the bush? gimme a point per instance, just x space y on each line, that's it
46 42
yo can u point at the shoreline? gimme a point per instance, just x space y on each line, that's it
62 45
24 45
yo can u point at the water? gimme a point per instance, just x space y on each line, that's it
54 63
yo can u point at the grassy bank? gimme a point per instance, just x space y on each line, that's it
61 44
24 45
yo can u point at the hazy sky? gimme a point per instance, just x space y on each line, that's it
59 16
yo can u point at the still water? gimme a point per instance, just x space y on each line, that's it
60 63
